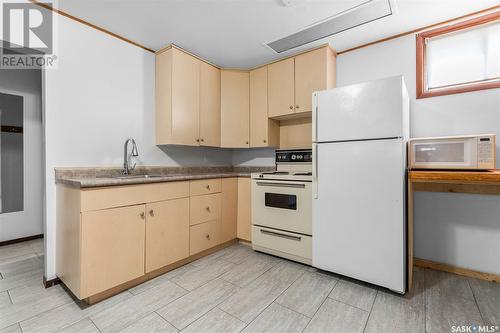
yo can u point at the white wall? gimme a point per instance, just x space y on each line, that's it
29 221
457 229
253 157
101 93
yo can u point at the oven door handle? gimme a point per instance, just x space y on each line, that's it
277 234
279 184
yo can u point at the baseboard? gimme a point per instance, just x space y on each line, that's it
51 282
19 240
456 270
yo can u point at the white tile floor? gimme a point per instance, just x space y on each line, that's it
237 289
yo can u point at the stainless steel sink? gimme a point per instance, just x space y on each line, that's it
137 176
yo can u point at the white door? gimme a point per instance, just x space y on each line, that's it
27 219
358 211
371 110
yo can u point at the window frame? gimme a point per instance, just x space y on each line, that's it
421 58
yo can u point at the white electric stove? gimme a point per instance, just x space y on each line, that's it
281 207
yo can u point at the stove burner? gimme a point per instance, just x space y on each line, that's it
303 174
276 173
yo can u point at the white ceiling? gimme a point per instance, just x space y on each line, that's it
232 33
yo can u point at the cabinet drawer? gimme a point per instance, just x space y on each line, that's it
282 243
204 236
119 196
204 186
204 208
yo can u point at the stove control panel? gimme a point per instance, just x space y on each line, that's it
294 156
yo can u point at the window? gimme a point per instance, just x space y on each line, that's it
459 58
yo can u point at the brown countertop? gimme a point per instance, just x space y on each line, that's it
101 177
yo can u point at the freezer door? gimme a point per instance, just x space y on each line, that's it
358 213
371 110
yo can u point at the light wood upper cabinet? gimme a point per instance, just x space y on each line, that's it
167 232
292 82
229 209
112 248
313 72
198 104
235 109
244 223
185 98
281 87
264 132
209 105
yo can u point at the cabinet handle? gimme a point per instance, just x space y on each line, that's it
291 107
208 236
296 106
246 142
142 215
208 208
208 187
151 212
202 140
265 141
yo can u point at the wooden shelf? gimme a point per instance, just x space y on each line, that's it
490 177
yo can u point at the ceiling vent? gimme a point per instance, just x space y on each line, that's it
367 12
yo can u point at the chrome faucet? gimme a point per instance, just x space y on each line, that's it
126 167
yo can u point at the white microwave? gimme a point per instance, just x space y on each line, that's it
470 152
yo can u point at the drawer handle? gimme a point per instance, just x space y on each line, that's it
207 236
280 184
208 208
142 215
277 234
151 212
208 187
296 106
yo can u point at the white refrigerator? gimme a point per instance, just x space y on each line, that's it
359 177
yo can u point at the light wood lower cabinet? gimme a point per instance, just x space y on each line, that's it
204 208
112 247
204 236
244 223
167 233
112 236
229 209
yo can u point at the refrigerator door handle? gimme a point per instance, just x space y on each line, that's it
315 170
315 117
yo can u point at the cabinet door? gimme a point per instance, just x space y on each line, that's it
167 232
264 132
281 88
185 98
310 76
235 109
229 212
112 247
209 105
244 225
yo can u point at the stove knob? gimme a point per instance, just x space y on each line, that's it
294 157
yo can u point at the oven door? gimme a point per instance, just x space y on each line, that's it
284 205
